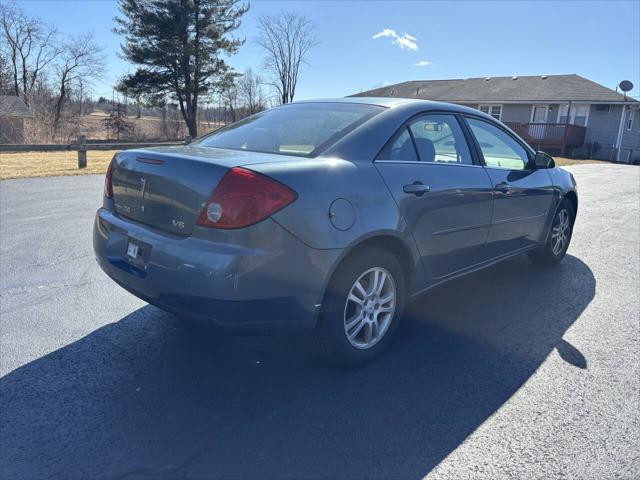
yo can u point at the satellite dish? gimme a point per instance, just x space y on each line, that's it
625 86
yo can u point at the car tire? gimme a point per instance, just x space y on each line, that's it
380 278
555 248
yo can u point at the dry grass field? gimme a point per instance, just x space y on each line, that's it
144 129
48 164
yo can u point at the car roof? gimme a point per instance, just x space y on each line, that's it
389 102
379 101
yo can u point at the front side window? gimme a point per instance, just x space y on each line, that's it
499 149
302 129
439 138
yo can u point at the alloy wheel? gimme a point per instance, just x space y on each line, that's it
369 308
560 232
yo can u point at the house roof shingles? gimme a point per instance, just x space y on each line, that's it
539 88
12 106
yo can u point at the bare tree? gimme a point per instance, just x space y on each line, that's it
135 93
81 59
286 41
29 45
5 75
81 88
12 40
250 89
229 96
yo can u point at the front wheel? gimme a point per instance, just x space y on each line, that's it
559 237
362 307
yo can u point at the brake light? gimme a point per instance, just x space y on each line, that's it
108 187
244 197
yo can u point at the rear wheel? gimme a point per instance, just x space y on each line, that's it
362 307
559 238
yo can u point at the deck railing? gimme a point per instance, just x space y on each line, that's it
554 135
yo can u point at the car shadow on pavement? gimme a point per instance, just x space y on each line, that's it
150 396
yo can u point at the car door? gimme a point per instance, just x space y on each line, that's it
443 195
522 194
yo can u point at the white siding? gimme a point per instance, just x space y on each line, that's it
602 129
630 149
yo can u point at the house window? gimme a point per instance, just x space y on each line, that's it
579 114
494 110
539 113
630 121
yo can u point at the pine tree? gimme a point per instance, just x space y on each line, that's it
177 46
117 121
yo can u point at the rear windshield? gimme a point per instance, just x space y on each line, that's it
302 129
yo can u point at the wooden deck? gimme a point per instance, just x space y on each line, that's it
550 135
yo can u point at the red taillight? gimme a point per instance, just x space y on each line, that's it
242 198
108 187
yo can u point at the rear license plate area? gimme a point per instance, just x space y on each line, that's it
137 252
132 250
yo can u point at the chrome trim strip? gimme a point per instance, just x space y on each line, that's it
461 229
486 225
502 169
518 219
442 164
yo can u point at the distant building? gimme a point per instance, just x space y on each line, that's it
565 114
13 115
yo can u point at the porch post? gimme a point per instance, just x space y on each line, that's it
620 133
566 129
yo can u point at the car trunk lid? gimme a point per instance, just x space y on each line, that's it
167 187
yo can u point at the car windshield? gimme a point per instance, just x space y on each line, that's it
302 129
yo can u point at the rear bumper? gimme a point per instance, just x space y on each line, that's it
230 284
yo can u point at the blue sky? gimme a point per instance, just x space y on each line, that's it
597 39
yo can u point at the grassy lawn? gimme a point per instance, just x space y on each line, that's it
566 162
47 164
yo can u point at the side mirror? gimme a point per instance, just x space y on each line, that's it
543 160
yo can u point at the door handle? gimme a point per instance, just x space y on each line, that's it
416 188
502 187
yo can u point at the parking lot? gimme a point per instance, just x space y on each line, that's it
513 372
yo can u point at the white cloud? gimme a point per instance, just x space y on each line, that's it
406 42
387 32
403 41
422 63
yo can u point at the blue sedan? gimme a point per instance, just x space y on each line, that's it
328 216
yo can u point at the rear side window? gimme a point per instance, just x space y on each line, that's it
499 149
432 139
400 149
303 129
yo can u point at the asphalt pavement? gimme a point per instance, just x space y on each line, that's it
513 372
